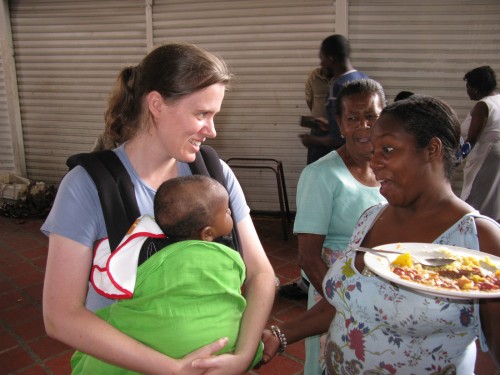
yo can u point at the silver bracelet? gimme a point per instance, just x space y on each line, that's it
280 336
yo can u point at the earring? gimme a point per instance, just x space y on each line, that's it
341 135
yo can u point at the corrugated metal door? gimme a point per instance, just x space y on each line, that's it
270 46
425 46
68 54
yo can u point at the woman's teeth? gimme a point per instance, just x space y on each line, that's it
195 143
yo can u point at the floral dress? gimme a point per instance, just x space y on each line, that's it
383 328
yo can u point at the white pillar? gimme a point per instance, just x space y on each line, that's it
341 16
11 90
149 25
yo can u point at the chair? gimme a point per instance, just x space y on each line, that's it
277 167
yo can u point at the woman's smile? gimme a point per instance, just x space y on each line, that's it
196 143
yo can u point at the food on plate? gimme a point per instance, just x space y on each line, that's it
403 260
466 273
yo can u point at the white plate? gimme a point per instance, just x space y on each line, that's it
380 265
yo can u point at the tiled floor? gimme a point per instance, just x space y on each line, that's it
26 349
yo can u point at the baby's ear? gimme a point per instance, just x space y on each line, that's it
207 234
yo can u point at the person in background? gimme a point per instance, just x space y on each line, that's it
402 95
335 57
192 286
163 109
333 192
481 149
379 327
316 92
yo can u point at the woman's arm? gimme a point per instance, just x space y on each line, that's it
259 293
260 288
67 320
310 247
489 242
314 321
479 115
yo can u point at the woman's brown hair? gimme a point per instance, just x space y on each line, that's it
173 70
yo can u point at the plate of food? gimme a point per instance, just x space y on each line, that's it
473 274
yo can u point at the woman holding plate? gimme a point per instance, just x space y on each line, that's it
385 328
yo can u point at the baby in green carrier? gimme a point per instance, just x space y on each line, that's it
188 293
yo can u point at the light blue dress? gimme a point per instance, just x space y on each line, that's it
329 202
381 328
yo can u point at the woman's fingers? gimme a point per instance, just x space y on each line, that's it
186 364
271 346
208 350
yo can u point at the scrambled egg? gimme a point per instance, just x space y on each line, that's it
403 260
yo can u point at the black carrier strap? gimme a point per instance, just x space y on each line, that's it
116 190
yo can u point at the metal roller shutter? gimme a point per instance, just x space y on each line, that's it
68 54
270 46
425 46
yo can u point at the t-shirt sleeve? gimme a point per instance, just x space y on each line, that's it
314 203
76 212
333 127
239 205
308 91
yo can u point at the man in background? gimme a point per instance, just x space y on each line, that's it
316 92
335 58
336 66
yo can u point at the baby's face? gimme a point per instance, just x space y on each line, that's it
223 222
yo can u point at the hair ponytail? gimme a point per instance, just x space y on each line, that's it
121 117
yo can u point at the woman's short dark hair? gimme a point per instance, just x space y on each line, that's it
402 95
361 86
483 79
425 118
173 70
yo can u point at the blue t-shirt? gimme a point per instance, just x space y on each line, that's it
352 75
77 213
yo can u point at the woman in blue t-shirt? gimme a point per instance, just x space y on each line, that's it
162 110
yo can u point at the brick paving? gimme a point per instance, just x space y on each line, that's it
26 349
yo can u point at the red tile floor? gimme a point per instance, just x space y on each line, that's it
26 349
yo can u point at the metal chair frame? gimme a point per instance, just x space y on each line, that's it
277 168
